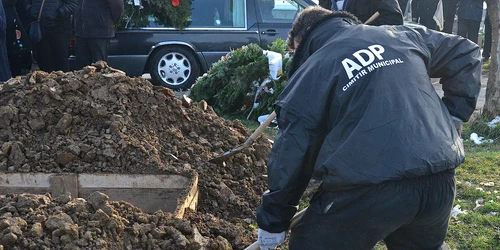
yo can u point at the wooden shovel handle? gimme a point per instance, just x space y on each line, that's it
296 218
260 129
373 17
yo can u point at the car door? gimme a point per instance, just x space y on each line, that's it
215 28
275 18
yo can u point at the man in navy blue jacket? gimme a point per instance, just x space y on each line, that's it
94 26
4 60
366 122
51 53
470 14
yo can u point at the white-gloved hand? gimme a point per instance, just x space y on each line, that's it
268 241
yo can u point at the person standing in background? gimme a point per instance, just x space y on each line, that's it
18 42
487 38
52 50
470 13
4 60
450 10
94 26
389 11
424 11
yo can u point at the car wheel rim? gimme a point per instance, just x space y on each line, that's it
174 68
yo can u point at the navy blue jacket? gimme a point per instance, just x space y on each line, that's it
55 13
97 18
368 113
4 60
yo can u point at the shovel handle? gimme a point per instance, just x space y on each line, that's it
296 218
373 17
260 129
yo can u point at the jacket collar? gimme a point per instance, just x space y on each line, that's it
316 37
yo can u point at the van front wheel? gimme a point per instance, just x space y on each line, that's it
174 67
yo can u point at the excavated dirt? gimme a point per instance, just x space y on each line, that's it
97 120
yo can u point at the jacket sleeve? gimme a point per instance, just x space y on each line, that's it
289 169
67 8
116 8
457 61
390 13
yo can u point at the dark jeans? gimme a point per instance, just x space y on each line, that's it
449 11
487 38
409 214
468 29
90 50
52 50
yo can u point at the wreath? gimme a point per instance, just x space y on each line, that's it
173 13
239 82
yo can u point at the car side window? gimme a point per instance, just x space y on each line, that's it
278 11
218 13
204 14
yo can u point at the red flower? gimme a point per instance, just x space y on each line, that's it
175 3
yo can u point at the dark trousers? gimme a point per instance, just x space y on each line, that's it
402 5
409 214
90 50
487 38
20 63
449 11
52 51
424 10
468 29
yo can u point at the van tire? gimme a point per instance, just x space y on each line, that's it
174 67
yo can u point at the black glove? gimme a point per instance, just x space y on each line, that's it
458 124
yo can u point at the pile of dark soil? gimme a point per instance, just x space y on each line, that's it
97 120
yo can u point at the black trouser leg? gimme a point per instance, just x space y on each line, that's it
409 214
15 64
91 50
44 53
462 28
61 51
487 38
20 63
468 29
449 11
82 53
473 30
98 48
426 10
53 50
